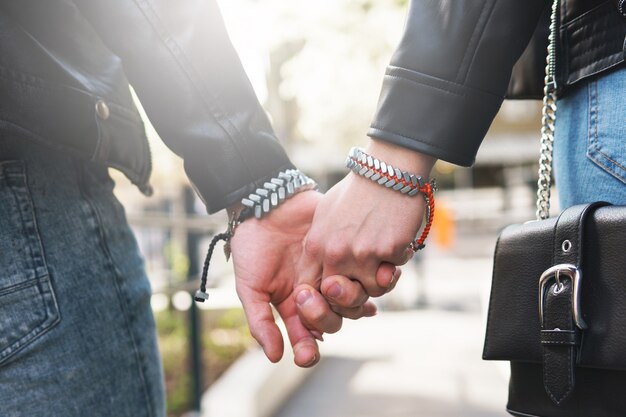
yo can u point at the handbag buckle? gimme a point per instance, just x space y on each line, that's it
557 273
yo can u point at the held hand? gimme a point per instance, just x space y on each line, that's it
360 226
266 254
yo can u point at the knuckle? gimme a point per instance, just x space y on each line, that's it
387 252
313 246
362 252
336 252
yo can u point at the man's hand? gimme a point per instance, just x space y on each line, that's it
266 255
360 226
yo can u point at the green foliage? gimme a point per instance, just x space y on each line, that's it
172 329
225 337
177 260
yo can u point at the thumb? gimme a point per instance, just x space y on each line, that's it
314 311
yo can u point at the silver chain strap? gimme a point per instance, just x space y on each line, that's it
548 117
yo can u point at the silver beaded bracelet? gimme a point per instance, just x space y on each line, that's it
384 174
278 189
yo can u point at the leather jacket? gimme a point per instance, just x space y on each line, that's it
65 68
451 71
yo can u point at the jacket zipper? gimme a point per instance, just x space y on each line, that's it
551 81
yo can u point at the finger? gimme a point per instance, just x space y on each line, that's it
369 309
359 266
318 335
309 269
366 310
314 311
395 279
343 292
385 275
365 276
373 284
305 350
261 323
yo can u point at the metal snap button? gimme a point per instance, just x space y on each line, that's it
102 110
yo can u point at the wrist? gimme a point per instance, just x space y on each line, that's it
403 158
274 192
383 173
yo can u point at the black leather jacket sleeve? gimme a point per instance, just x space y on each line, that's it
450 72
179 59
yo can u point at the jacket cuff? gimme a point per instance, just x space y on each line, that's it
218 192
433 116
237 195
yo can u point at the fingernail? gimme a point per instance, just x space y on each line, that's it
335 291
311 362
317 335
303 297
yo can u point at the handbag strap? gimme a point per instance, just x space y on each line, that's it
548 118
560 312
559 302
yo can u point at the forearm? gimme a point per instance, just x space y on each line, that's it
405 159
180 61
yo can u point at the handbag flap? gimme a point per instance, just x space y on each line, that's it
523 253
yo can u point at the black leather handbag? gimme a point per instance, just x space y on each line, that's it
558 312
557 309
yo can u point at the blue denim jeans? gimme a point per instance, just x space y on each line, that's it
590 142
77 335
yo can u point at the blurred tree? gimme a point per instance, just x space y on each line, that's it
322 67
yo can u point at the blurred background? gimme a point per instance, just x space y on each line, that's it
317 68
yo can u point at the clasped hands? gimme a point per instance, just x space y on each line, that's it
318 258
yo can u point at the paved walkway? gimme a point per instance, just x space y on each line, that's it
419 362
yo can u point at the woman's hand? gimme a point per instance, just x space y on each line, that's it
361 228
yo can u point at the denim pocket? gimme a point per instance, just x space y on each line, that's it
607 123
28 305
